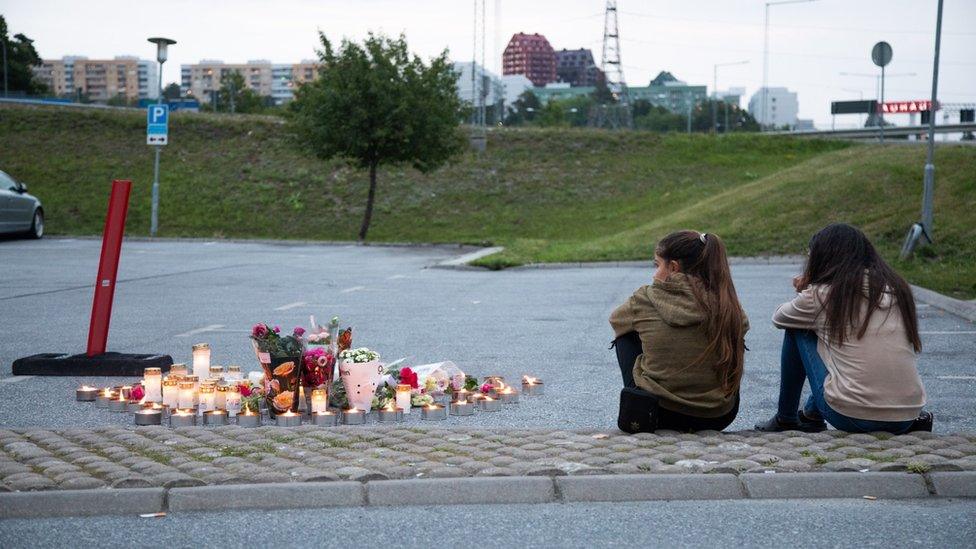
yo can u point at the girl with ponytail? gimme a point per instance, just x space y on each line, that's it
680 341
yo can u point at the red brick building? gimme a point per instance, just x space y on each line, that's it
531 55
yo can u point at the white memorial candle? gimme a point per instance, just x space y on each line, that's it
153 384
232 400
208 399
201 360
220 402
188 395
319 401
171 392
403 398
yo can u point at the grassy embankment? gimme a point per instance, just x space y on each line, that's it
546 195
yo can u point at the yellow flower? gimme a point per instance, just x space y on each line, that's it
284 369
284 401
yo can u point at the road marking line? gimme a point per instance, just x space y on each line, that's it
964 332
210 328
291 306
955 377
353 289
396 277
14 379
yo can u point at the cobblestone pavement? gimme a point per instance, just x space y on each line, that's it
117 457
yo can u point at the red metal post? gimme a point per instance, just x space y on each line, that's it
108 266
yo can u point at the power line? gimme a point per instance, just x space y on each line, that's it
810 27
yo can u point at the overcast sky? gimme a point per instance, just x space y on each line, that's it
810 43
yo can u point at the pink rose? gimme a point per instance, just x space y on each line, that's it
277 329
259 331
136 393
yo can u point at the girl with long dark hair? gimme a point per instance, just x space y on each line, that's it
682 338
852 332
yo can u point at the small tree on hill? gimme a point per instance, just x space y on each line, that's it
375 103
172 91
236 96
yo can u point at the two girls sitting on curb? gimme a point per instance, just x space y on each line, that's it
851 332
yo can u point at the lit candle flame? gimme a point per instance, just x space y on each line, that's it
289 413
389 407
530 380
489 398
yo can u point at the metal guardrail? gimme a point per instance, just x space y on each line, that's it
50 103
890 131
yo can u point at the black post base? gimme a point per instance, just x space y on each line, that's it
107 364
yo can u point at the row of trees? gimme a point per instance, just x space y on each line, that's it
575 112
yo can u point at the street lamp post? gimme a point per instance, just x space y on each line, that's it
162 46
924 228
715 93
4 42
765 88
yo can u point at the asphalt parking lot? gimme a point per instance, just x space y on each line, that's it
550 323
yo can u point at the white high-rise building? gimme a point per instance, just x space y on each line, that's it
491 87
782 108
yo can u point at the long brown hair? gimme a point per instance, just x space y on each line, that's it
702 258
842 257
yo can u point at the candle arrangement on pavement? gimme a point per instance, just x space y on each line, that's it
210 395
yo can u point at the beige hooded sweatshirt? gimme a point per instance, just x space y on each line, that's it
872 378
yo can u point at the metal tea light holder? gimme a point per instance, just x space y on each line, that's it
462 408
86 393
433 412
148 416
134 406
118 405
105 398
353 417
183 418
249 419
533 387
288 420
390 415
489 404
215 418
325 419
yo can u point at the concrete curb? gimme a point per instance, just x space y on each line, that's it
749 260
834 485
461 262
965 309
461 491
649 487
268 496
81 503
487 490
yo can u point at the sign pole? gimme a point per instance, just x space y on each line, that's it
154 224
882 103
929 181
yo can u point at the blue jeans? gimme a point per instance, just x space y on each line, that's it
800 361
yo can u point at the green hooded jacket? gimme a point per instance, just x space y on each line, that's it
669 321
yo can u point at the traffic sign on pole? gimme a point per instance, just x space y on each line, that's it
157 124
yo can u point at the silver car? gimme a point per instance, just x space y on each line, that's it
19 212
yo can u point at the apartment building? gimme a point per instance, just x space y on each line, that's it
531 55
577 68
267 79
781 110
100 79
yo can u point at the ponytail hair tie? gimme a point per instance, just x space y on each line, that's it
702 237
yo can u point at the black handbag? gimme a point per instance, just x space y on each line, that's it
638 411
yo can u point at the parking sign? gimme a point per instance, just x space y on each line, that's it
157 124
